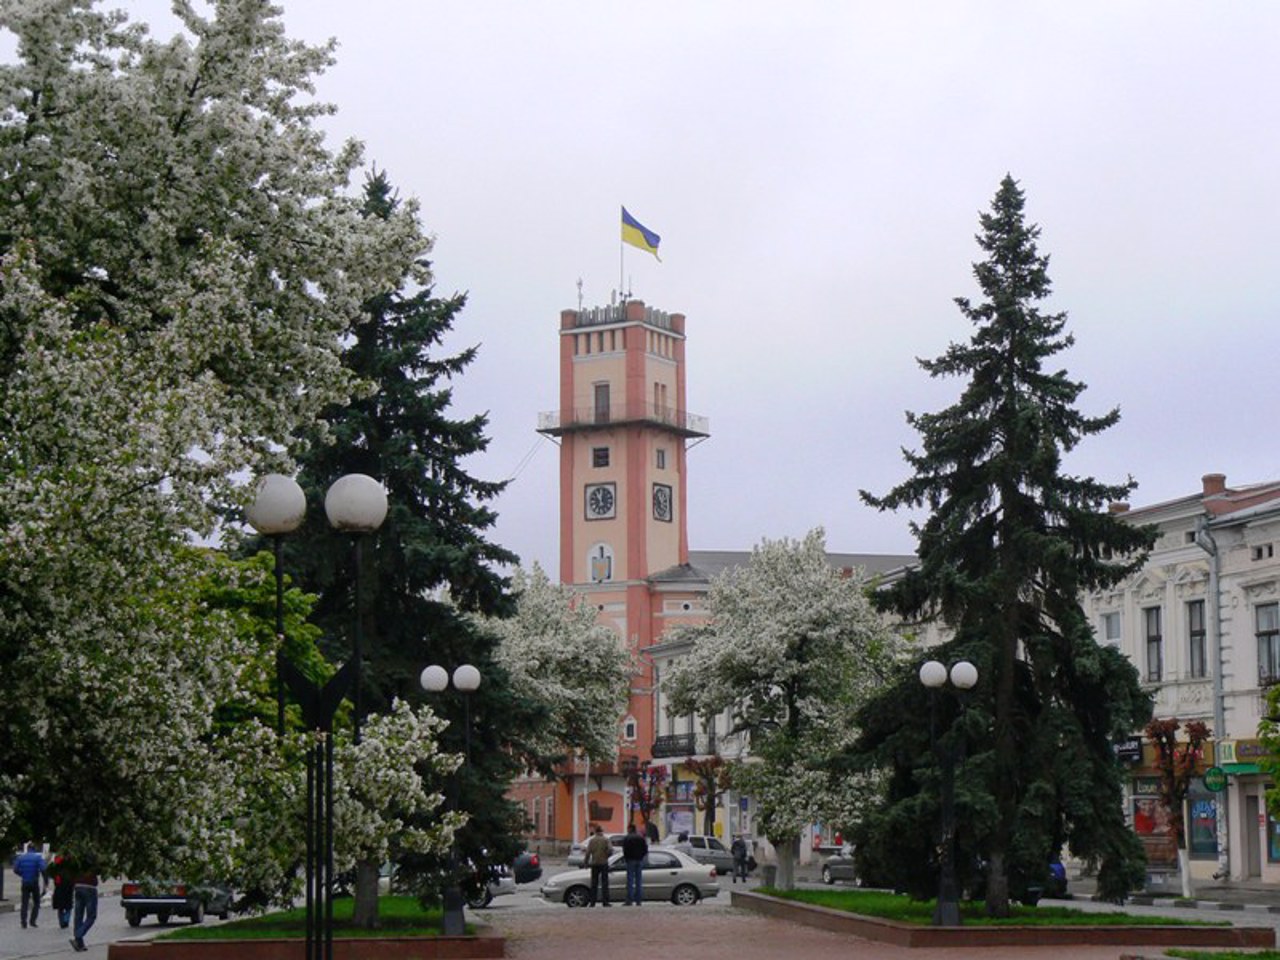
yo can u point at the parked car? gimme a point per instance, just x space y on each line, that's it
498 883
707 850
839 866
527 867
669 875
578 852
166 900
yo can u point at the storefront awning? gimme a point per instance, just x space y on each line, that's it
1238 768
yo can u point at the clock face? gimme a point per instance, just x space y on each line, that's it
661 502
601 501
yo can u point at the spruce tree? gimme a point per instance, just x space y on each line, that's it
433 540
1010 543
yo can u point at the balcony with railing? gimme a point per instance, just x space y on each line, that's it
680 422
685 745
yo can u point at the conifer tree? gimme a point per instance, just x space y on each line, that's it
1010 543
430 561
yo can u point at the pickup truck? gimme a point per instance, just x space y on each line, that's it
165 900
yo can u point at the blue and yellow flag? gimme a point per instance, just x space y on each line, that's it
639 236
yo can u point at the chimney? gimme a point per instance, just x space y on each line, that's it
1215 484
1117 506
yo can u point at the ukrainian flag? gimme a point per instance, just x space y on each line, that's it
639 236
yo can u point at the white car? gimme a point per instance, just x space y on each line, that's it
501 883
668 875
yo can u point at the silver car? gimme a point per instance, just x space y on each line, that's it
705 849
578 852
839 866
669 875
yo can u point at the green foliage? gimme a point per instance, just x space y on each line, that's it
429 564
906 909
1010 543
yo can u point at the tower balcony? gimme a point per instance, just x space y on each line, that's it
680 422
684 745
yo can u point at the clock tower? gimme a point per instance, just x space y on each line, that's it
623 429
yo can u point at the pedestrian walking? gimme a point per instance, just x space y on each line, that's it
63 889
85 898
740 854
634 850
597 858
30 866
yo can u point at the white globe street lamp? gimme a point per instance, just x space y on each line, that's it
279 506
964 677
466 680
356 504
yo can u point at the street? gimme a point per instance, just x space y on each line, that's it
538 930
49 940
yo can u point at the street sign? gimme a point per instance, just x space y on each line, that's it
1215 779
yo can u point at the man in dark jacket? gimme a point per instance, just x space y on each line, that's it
30 866
634 850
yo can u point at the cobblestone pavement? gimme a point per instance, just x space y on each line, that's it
658 930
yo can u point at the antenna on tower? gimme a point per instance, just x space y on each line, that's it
579 294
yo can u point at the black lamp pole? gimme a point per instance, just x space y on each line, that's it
963 675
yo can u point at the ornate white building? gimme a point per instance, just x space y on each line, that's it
1201 622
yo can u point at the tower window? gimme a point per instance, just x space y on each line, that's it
661 458
599 456
601 394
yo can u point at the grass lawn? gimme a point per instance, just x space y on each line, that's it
894 906
397 916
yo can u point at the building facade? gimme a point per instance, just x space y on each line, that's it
1201 622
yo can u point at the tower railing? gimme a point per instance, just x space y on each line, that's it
617 313
583 418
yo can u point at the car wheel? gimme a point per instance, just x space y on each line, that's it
480 900
134 918
827 878
163 917
197 915
685 895
577 897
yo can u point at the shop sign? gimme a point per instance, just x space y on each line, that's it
1215 779
1128 751
1146 786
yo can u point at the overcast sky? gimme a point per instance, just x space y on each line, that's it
816 171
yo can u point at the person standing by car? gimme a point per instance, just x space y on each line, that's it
740 853
597 858
85 896
30 866
634 849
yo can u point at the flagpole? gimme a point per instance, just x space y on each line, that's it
622 253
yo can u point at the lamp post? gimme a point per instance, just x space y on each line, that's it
466 680
359 506
279 507
964 676
356 504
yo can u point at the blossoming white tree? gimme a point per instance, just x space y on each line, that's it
792 647
561 657
179 256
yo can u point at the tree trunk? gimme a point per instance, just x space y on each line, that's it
787 851
364 912
1184 868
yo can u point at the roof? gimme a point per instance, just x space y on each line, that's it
705 565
